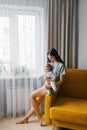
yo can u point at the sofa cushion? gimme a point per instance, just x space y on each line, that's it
69 109
75 84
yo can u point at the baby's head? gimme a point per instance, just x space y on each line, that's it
48 68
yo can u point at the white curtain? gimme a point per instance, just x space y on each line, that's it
23 47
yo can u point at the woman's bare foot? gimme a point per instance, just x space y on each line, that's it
23 121
41 121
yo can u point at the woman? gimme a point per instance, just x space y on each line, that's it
37 96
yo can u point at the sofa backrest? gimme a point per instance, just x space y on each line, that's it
75 84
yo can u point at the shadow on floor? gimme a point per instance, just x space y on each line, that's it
63 128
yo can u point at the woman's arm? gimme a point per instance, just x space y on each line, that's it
60 82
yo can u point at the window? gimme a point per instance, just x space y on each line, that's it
4 44
20 41
26 33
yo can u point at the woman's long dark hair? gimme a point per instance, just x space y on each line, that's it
53 52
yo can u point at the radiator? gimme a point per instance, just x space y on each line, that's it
14 95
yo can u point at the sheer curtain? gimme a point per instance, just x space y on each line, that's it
23 47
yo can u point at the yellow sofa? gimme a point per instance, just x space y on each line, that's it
69 108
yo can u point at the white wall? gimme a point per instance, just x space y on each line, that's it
82 41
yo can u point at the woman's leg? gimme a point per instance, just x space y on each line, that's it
31 111
26 117
38 93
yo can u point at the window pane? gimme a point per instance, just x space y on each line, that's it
4 44
26 30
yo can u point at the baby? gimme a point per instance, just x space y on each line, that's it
50 75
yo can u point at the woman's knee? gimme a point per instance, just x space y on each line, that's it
30 96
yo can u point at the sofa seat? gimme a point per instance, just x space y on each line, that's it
69 110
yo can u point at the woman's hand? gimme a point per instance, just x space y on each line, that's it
60 82
48 86
47 79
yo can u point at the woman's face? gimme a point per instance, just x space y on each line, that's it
51 58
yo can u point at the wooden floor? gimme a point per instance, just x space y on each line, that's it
10 124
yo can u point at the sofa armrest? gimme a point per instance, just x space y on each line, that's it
49 99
